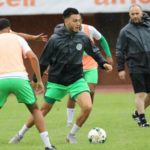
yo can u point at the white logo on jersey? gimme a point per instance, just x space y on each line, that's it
79 46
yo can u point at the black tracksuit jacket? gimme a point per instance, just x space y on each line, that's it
63 52
133 45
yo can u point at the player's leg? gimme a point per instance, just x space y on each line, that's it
91 77
140 107
70 111
38 120
80 92
84 101
92 87
53 93
147 100
140 90
4 91
45 108
25 94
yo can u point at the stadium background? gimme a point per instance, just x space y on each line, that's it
108 24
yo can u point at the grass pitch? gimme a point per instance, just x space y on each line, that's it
111 111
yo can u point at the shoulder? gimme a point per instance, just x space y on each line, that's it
13 36
124 29
18 38
127 27
21 40
89 27
92 32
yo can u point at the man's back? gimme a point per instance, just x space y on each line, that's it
10 54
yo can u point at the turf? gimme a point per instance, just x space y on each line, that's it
111 111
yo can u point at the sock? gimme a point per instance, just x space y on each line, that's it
23 130
45 139
142 118
70 114
74 129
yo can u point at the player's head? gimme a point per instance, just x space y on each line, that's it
72 19
4 25
135 13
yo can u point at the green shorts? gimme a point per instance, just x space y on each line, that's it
55 92
91 75
19 87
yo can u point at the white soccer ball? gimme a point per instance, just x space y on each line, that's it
97 135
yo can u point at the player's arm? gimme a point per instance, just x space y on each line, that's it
39 87
104 44
29 54
30 37
35 64
94 52
120 51
120 54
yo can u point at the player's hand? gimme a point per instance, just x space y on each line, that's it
122 74
38 87
46 72
110 60
33 84
41 37
108 67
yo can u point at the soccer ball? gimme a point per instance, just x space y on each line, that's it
97 135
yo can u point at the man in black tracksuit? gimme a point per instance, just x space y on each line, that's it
63 53
133 46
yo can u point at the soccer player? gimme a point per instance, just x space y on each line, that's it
14 78
63 53
90 67
133 46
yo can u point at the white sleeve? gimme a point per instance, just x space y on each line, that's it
24 45
95 33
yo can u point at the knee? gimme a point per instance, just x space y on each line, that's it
141 96
87 109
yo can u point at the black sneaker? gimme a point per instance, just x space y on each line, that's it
53 148
145 125
136 118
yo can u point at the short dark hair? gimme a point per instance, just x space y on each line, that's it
69 11
4 23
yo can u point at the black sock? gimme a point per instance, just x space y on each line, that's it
142 118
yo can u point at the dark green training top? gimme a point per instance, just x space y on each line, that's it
63 52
